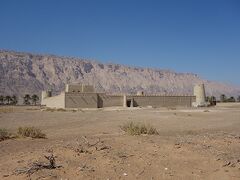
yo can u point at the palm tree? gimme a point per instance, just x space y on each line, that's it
14 100
213 98
2 99
26 99
231 99
35 99
238 98
208 99
8 99
223 98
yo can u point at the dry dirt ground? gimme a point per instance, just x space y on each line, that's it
192 143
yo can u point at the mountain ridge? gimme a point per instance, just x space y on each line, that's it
23 72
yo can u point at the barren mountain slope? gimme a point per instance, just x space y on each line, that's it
22 73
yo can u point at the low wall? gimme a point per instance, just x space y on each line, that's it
81 100
109 100
91 100
163 101
55 101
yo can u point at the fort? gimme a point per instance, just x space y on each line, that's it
84 96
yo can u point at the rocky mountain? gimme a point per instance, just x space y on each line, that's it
22 73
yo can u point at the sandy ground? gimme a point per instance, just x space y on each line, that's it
192 143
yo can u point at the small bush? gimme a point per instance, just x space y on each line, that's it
6 110
55 110
32 132
49 109
4 134
61 109
138 129
152 131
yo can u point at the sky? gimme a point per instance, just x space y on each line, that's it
196 36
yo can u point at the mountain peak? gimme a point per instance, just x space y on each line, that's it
22 73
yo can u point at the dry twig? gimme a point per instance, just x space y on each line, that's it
87 142
36 166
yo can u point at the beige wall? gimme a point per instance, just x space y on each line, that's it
110 100
163 101
78 88
92 100
55 101
99 100
81 100
87 88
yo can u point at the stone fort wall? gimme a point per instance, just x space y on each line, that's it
95 100
100 100
81 100
83 96
162 101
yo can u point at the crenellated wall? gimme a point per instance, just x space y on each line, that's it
78 88
162 101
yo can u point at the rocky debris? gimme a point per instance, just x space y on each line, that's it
217 144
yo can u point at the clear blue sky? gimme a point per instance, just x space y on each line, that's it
199 36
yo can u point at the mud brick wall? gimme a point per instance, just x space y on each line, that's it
109 100
99 100
163 101
81 100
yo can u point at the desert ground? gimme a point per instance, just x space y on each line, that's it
201 143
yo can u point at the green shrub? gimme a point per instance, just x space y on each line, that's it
138 129
32 132
4 134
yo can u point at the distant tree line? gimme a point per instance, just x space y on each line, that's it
224 98
13 100
8 100
212 100
28 100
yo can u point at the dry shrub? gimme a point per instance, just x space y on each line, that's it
6 109
4 134
138 129
55 109
49 110
32 109
172 108
61 109
32 132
